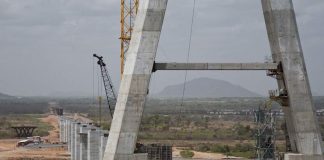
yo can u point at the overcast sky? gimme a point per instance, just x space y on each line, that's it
46 46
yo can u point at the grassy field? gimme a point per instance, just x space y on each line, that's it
8 121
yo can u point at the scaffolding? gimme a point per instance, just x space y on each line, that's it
265 132
155 151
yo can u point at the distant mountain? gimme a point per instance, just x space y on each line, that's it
5 96
206 87
60 94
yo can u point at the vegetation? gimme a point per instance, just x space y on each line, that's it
168 127
38 105
8 121
245 150
186 154
163 120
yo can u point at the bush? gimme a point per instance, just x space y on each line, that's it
216 148
186 154
202 148
244 147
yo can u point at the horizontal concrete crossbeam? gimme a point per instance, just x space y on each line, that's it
215 66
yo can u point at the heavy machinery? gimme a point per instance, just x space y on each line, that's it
109 88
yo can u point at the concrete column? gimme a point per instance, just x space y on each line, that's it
73 124
84 141
77 141
135 81
65 130
69 137
62 128
286 49
94 144
103 143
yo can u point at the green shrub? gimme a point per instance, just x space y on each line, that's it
216 148
202 148
186 154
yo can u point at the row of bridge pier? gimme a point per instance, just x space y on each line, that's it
85 141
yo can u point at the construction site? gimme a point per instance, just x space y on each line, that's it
129 122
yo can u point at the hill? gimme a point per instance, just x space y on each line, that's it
206 87
5 96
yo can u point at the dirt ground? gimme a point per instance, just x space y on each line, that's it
202 155
9 151
53 134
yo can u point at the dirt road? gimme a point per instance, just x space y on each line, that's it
201 155
53 134
9 151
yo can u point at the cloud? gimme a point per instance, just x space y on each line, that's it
46 45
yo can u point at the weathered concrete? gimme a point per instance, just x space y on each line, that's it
94 144
135 80
138 156
215 66
69 135
72 141
286 49
62 127
77 141
84 141
103 143
294 156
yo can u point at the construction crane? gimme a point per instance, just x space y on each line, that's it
109 88
128 11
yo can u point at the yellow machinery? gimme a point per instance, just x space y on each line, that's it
128 11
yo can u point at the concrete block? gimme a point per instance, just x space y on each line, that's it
294 156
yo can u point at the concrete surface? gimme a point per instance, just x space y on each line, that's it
294 156
84 141
135 81
215 66
94 144
286 48
77 141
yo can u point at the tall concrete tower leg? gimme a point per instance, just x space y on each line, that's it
135 81
286 49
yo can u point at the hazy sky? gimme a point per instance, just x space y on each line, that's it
46 46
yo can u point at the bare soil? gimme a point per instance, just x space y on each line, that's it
202 155
9 151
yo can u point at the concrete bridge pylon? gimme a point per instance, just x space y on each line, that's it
293 84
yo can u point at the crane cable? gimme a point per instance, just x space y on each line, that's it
189 49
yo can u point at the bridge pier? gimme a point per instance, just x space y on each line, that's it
94 144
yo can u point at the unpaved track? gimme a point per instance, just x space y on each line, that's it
201 155
8 151
53 134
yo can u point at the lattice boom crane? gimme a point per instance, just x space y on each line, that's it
109 88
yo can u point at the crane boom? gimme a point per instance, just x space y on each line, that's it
109 88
